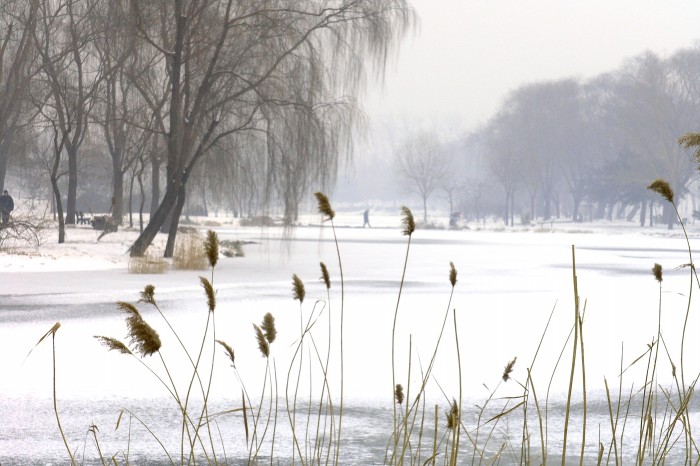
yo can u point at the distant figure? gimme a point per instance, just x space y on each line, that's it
7 205
454 218
366 217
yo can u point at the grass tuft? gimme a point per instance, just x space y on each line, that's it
190 253
149 263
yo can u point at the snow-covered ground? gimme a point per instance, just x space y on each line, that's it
509 281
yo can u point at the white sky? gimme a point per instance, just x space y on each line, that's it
468 54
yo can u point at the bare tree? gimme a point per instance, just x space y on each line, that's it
228 61
423 165
505 156
17 23
70 75
657 100
120 112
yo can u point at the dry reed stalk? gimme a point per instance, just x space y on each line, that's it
613 425
324 205
398 393
583 381
229 352
211 248
325 208
508 369
263 344
209 291
325 277
459 374
409 228
662 187
268 327
298 290
189 253
52 332
573 358
142 336
149 263
435 436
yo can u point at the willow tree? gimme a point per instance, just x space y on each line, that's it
17 24
267 67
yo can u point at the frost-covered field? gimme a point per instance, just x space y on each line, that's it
509 281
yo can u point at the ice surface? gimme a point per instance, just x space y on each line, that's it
508 284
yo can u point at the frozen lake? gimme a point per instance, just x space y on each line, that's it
508 284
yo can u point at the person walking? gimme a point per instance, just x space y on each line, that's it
7 205
366 217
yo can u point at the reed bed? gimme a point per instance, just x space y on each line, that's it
650 423
189 252
150 263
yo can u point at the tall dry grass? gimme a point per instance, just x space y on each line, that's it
512 425
189 253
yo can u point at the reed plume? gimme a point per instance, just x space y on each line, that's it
508 369
325 276
398 393
324 206
229 351
453 274
263 345
113 344
662 187
691 141
657 271
147 295
209 290
298 290
409 224
453 416
142 336
211 248
268 327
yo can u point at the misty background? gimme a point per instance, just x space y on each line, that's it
498 112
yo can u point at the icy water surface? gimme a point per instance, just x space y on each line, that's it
508 285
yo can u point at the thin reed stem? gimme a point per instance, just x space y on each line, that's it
342 358
393 342
583 381
573 359
55 402
459 375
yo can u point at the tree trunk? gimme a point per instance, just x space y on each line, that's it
72 184
143 200
146 237
175 221
204 198
547 206
577 203
59 210
425 210
643 214
3 166
131 198
669 215
155 183
117 189
512 201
